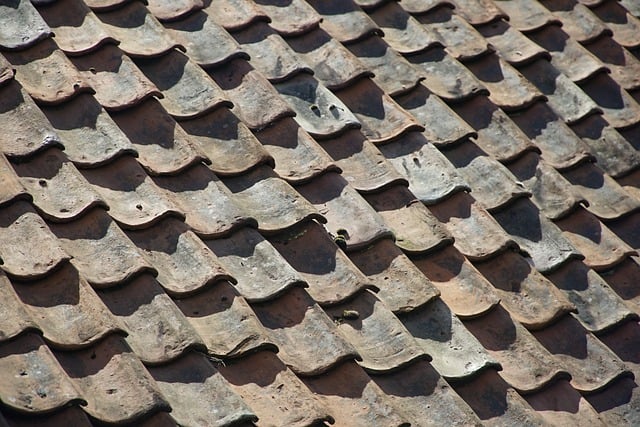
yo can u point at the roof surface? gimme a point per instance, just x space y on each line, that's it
375 213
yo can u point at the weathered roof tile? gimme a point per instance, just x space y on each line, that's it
309 341
166 10
186 88
513 46
19 223
528 16
71 415
118 83
157 331
34 382
344 20
99 5
422 6
113 381
234 15
87 240
329 273
21 25
624 25
261 272
14 319
6 71
613 403
67 310
577 20
622 279
620 109
478 12
625 68
11 189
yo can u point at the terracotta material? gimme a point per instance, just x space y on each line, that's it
291 18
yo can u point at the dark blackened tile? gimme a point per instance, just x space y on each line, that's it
393 74
183 262
14 318
550 191
318 111
625 68
623 279
170 10
445 76
513 46
77 29
333 65
329 273
346 212
577 20
270 200
527 365
353 398
47 74
567 55
416 230
227 142
457 354
441 125
34 382
195 33
545 128
139 33
421 395
290 18
72 415
465 291
261 272
591 364
495 132
256 102
624 25
298 158
460 38
620 109
309 342
113 381
344 20
477 234
432 178
496 403
539 237
89 238
402 31
478 12
560 404
565 98
21 25
269 53
60 193
402 286
206 202
599 308
274 392
225 322
600 246
493 185
381 117
381 340
11 189
508 89
91 138
19 224
157 331
614 154
193 378
164 147
618 403
531 299
118 83
134 200
528 16
187 90
607 199
67 310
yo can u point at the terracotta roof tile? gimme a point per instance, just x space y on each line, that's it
626 230
513 46
528 16
194 33
138 32
623 65
330 274
478 12
422 6
624 25
6 71
11 189
333 65
77 29
619 108
35 382
465 291
344 20
99 5
118 83
608 403
621 279
290 18
261 272
171 10
71 415
19 223
15 320
577 20
234 15
22 26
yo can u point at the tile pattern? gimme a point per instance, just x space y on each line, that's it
349 212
